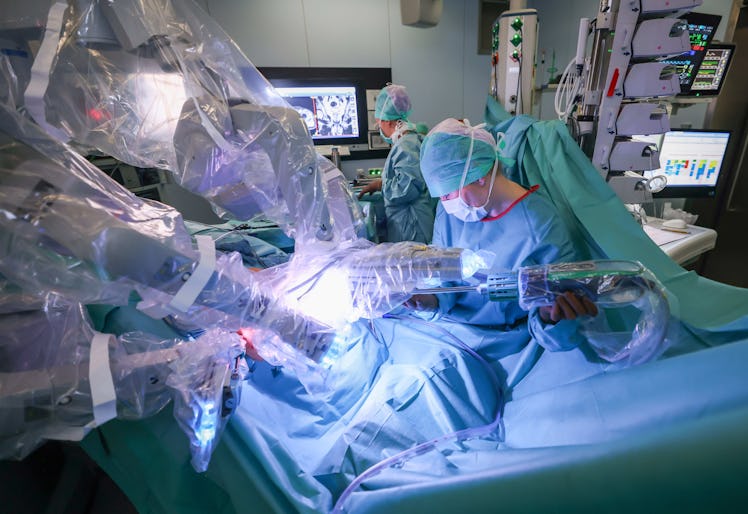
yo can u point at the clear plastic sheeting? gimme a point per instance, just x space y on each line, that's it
632 322
386 275
157 83
364 280
48 387
44 385
202 377
348 223
67 227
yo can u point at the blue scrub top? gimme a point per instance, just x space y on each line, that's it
407 204
530 233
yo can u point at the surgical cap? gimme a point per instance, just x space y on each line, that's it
393 103
445 151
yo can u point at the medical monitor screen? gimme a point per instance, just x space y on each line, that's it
330 112
692 161
701 29
711 73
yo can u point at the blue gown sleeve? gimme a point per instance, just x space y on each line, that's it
447 300
555 246
562 336
404 183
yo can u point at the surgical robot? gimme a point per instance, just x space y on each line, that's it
157 83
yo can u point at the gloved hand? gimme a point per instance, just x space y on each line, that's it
372 187
567 306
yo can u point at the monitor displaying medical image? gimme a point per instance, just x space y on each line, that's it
712 70
330 112
701 29
691 160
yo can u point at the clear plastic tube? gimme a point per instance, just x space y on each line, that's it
633 306
631 326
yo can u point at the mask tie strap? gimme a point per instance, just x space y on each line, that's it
470 155
472 130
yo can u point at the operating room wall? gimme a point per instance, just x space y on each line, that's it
440 65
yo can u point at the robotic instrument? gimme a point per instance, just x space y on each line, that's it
613 285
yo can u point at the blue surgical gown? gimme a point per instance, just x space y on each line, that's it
407 204
531 233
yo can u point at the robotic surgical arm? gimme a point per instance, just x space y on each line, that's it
156 83
72 378
77 237
71 233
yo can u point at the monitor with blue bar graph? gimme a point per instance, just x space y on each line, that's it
692 161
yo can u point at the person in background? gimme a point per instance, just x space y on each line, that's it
408 207
481 209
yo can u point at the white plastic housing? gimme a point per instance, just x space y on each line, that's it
660 37
642 118
651 79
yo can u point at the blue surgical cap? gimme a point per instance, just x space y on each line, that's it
393 103
445 151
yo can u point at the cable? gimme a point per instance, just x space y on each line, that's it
420 449
567 94
518 95
572 82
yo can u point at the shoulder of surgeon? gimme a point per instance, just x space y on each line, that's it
410 140
547 228
407 147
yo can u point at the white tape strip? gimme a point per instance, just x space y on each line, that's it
190 290
37 88
100 378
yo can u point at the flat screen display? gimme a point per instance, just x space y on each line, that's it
330 112
712 70
701 29
692 161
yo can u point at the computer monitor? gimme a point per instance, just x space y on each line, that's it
329 111
712 70
692 161
701 29
333 102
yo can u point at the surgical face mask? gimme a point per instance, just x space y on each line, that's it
387 140
401 127
459 209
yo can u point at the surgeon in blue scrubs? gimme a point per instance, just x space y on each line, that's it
481 209
408 207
